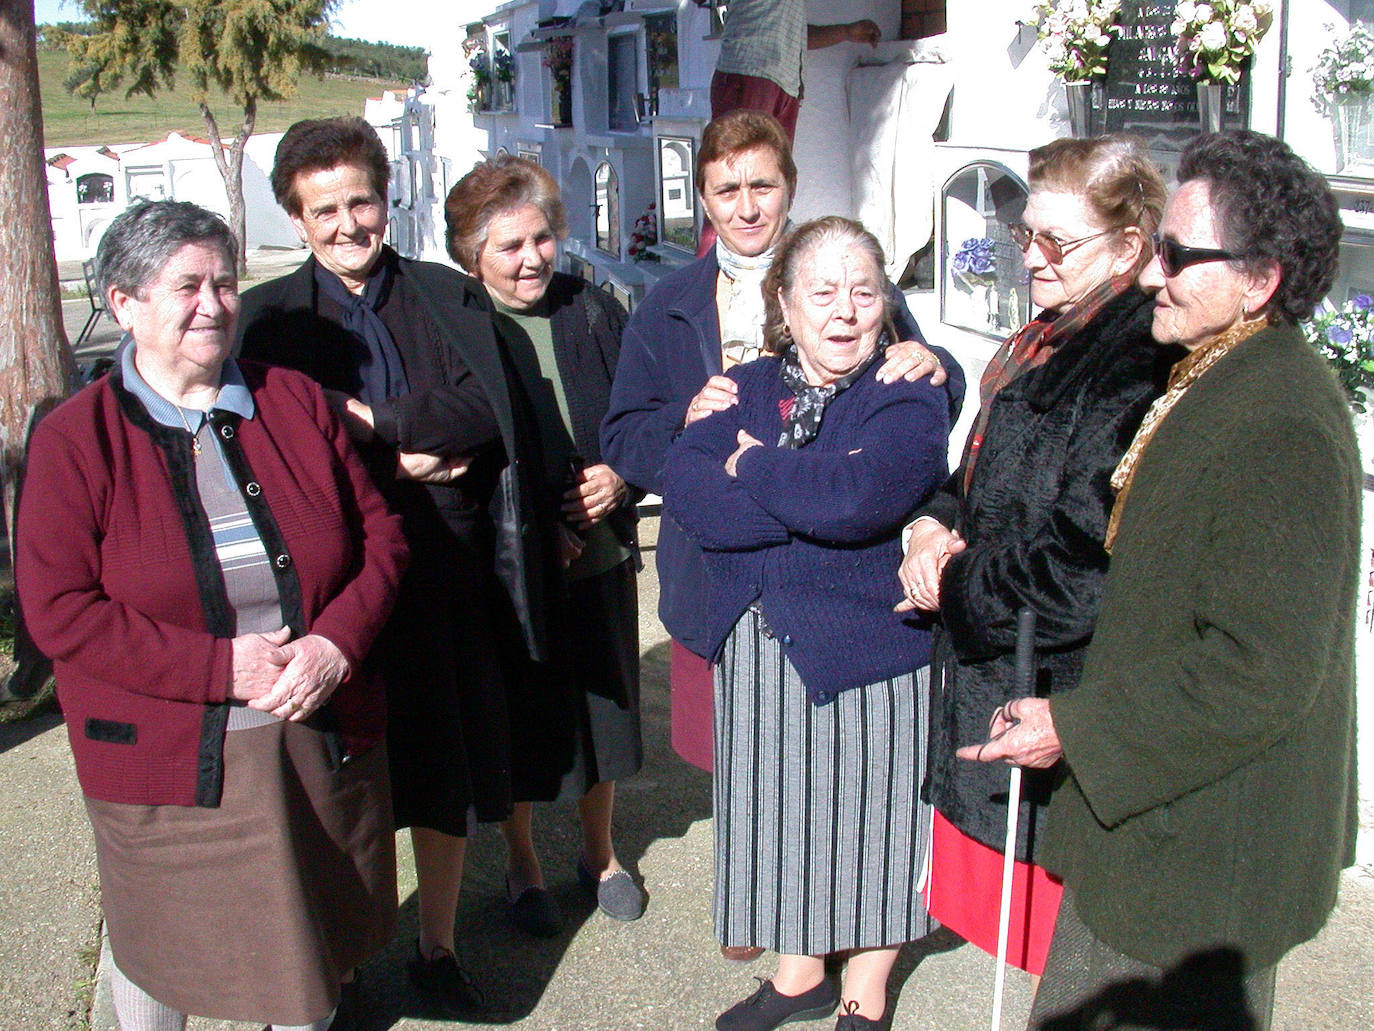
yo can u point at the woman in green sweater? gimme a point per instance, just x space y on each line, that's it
1209 802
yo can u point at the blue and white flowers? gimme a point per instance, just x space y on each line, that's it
1345 338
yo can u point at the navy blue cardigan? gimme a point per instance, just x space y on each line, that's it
670 347
812 534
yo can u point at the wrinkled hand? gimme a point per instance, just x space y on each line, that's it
864 31
356 416
910 360
570 546
257 663
930 547
745 443
1021 733
426 468
315 668
719 393
598 492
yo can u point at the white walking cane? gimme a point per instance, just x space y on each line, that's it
1025 687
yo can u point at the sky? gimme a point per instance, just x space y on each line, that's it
405 22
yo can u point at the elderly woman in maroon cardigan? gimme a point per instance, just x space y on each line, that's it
206 561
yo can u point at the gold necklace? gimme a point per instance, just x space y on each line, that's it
195 437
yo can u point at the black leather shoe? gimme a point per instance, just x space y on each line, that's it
534 911
768 1008
443 980
852 1020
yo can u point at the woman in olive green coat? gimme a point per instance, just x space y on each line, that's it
1210 799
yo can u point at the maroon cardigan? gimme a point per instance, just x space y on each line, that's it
119 583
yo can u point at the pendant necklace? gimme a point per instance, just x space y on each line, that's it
195 436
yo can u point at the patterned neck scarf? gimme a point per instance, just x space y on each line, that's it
742 313
1184 374
380 370
801 413
1029 347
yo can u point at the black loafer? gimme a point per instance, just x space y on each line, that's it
534 911
768 1008
443 980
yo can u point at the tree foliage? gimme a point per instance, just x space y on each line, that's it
376 60
253 50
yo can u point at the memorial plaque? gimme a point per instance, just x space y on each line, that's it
1147 92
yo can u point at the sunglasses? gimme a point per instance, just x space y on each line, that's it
1174 257
1051 247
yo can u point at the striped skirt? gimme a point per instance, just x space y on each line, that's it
820 832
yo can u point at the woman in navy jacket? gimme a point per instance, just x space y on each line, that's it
798 493
692 327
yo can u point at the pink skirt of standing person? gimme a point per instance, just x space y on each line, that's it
964 892
692 692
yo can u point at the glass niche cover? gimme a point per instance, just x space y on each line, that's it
677 192
983 286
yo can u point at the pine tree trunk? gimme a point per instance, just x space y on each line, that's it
36 365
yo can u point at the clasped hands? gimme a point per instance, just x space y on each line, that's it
931 546
597 491
290 679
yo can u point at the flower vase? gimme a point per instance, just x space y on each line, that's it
1353 114
1211 105
1079 95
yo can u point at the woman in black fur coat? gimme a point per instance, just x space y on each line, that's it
1022 522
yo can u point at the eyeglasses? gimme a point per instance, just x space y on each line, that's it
1174 257
1051 247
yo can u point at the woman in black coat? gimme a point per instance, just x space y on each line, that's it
407 352
1022 522
562 336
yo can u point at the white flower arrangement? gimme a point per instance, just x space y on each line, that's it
1346 67
1217 37
1074 35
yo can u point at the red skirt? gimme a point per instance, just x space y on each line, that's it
965 894
692 692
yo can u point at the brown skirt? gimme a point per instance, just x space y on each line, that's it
254 910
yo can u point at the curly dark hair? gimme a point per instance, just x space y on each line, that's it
1273 210
317 144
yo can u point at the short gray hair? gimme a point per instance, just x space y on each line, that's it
797 247
142 239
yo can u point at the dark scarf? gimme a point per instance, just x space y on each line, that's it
801 413
380 372
1029 347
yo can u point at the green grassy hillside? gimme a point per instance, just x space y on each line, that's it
69 121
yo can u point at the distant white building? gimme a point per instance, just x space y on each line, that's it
89 186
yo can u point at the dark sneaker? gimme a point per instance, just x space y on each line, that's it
852 1020
767 1008
442 979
